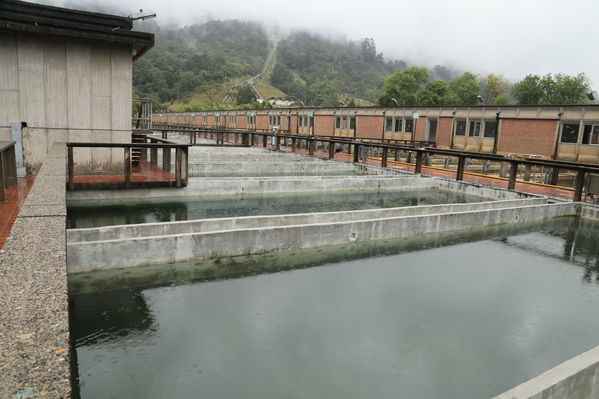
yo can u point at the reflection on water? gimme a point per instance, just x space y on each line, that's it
467 317
130 212
574 240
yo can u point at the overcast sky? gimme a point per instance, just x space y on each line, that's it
513 37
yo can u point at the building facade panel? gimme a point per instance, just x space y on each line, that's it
420 129
527 136
55 84
262 121
444 132
324 125
369 126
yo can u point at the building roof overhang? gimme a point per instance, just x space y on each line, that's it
21 16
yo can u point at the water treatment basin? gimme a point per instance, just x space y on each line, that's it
82 214
465 316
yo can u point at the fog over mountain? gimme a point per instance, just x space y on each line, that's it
513 37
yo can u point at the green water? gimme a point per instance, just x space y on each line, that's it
465 316
95 214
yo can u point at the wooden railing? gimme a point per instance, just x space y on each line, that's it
416 155
181 161
8 167
217 132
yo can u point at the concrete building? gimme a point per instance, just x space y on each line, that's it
66 76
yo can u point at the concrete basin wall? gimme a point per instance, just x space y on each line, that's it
589 211
577 378
203 169
201 187
249 222
98 255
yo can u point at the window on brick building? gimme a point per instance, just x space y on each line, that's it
460 127
490 129
569 133
409 125
337 123
352 123
398 124
474 129
590 134
274 120
304 122
388 124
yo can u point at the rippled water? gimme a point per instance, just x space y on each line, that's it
94 214
466 318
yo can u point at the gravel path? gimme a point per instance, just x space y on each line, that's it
34 323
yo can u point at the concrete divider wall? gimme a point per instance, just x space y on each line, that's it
260 168
577 378
99 255
206 225
589 211
199 187
478 189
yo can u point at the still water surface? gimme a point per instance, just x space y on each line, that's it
94 214
466 319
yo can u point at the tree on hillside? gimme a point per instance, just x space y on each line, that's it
281 77
368 49
529 90
434 93
440 72
404 87
413 87
464 90
552 90
245 95
493 88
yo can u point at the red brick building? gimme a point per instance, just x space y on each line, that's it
558 132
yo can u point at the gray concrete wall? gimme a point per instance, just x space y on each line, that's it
98 255
249 222
66 90
577 378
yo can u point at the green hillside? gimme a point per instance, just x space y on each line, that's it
194 67
191 61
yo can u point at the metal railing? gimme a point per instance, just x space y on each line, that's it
8 167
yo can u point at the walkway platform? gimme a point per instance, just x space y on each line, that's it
34 322
143 175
